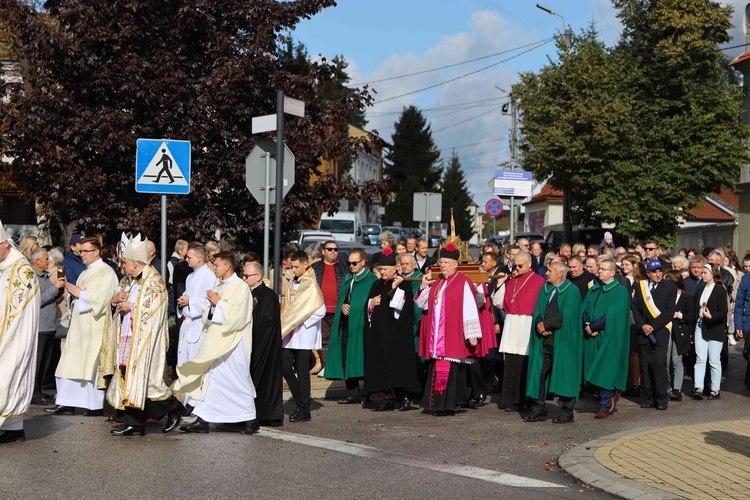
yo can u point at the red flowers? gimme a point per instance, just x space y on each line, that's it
387 251
450 247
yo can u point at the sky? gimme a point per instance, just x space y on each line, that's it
466 53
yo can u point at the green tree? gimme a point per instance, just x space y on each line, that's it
99 75
412 164
641 132
456 196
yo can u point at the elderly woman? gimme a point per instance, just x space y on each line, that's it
387 240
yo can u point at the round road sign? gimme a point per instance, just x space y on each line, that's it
494 207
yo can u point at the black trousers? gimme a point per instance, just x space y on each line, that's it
654 372
352 384
540 404
296 371
45 347
514 378
154 410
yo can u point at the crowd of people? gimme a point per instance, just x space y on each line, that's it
106 335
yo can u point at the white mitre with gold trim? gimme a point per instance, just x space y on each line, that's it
137 249
3 235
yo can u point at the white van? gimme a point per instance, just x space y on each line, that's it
345 226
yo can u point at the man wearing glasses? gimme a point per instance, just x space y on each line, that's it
329 272
653 309
91 317
190 307
265 361
346 356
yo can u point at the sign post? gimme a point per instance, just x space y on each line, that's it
494 209
427 207
513 183
162 166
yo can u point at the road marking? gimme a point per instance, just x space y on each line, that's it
364 451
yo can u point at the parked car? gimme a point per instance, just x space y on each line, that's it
371 234
309 236
585 235
400 233
346 226
532 236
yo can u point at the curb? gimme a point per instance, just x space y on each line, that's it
580 463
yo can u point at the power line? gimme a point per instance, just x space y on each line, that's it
468 120
464 105
450 65
462 76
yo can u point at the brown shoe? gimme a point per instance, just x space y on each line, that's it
601 414
613 403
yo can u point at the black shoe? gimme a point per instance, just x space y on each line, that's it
714 395
405 404
39 401
61 410
93 413
173 418
512 408
537 416
386 405
197 427
302 416
187 411
12 436
563 419
130 430
697 394
252 427
633 391
661 406
271 423
675 396
444 413
349 400
649 403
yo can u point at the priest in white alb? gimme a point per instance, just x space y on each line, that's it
218 378
19 323
136 350
78 374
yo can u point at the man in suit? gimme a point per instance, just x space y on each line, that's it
537 259
423 260
653 309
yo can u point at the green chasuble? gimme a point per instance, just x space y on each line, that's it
355 349
605 356
565 376
417 310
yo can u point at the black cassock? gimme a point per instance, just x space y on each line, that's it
389 343
265 361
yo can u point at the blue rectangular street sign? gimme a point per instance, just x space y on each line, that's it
162 166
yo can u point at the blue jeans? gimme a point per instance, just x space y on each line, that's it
710 349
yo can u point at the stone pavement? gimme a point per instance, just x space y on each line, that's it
706 460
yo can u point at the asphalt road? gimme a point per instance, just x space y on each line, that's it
344 452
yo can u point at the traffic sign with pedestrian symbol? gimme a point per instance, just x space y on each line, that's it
162 166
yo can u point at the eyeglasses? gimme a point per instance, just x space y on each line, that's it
332 249
353 263
650 249
87 251
250 275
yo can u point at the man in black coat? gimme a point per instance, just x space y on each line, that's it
579 276
265 360
653 309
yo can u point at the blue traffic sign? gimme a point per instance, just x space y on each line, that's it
494 207
162 166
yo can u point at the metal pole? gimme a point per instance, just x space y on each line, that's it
279 190
164 237
512 218
427 218
267 214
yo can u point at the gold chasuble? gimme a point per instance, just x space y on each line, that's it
307 299
19 328
89 330
221 338
146 362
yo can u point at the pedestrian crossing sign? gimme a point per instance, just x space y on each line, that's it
162 166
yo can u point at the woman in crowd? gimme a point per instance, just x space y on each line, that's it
630 266
28 244
401 247
679 345
711 307
212 248
680 263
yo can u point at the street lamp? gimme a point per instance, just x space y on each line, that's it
566 35
566 201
